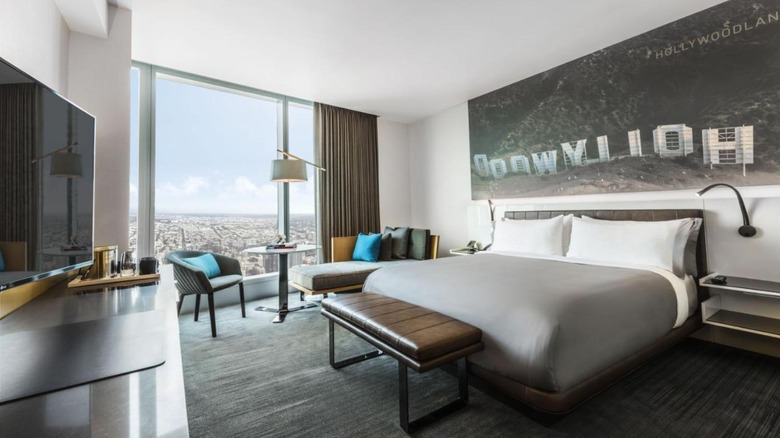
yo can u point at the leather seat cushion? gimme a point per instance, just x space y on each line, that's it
418 332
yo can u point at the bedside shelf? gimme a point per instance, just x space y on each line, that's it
746 322
747 285
713 312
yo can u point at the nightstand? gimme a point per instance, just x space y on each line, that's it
743 304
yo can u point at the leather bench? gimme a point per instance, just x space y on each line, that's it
417 337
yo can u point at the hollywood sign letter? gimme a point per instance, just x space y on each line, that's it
545 162
732 145
481 165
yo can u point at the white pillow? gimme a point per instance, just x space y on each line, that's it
542 236
632 242
567 232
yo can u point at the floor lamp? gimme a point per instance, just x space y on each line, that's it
290 169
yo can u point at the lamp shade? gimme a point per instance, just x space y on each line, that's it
289 171
66 164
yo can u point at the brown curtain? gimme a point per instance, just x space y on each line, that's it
349 188
19 137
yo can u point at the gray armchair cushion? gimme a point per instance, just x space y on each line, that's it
225 281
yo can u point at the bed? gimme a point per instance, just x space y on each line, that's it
559 329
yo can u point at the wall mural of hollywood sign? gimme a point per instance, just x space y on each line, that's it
679 107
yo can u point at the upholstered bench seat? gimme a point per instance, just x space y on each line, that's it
334 277
417 337
344 274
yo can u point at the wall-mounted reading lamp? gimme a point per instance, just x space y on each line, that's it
64 163
746 230
293 170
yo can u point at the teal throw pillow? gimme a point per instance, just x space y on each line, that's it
367 247
206 263
2 263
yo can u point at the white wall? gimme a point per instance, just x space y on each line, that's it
99 82
441 201
34 38
94 74
395 205
439 166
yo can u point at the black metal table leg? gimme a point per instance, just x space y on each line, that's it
283 309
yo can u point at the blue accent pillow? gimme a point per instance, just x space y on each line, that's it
2 262
206 263
367 247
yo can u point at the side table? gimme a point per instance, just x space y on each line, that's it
283 309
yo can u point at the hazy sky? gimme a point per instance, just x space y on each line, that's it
214 151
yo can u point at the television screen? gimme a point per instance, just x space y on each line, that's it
47 147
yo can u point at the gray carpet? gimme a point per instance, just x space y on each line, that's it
262 379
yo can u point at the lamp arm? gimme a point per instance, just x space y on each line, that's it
67 146
287 154
746 229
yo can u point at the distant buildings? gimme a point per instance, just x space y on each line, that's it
230 235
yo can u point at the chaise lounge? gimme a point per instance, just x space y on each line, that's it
344 274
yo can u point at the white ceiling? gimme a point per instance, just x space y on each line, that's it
400 59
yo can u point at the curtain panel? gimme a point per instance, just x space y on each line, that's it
349 189
19 111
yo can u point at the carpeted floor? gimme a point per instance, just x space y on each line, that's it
262 379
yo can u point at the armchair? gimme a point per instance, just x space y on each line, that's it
191 280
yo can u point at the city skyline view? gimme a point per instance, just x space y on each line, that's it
229 235
213 151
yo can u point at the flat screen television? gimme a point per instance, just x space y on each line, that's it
47 156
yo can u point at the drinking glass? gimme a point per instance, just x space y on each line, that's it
128 264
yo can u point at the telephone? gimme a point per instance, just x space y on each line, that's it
470 247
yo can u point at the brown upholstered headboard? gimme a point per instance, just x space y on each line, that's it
631 215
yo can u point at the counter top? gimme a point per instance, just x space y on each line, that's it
144 403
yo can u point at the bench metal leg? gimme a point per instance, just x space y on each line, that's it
403 399
349 361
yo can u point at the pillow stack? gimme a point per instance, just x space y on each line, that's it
397 243
670 245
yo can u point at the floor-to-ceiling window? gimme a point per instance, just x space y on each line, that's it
210 148
302 195
135 93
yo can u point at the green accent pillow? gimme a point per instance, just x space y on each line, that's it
400 238
367 247
206 263
418 244
386 247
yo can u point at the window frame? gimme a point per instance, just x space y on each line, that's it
147 147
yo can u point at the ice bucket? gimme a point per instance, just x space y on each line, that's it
104 259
